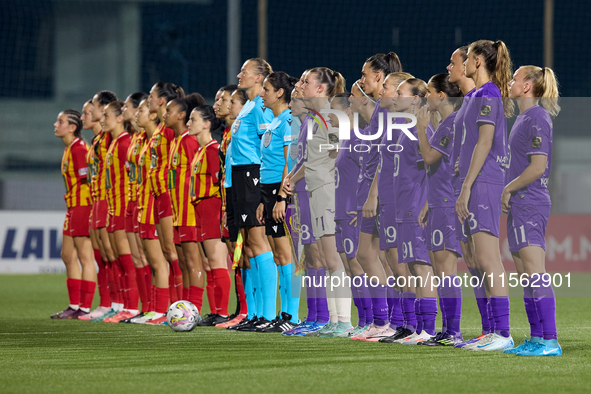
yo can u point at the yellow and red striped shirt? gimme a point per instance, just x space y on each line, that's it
204 172
182 152
117 182
75 171
97 157
159 158
227 137
145 199
135 146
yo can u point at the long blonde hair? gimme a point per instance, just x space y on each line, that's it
545 86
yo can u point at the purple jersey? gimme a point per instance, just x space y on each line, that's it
440 192
373 158
363 184
302 153
457 140
531 135
485 106
346 174
386 166
409 178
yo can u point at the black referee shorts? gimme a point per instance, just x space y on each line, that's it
269 193
246 194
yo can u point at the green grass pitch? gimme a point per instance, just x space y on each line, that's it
41 355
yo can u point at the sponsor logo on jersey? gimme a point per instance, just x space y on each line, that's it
536 142
444 141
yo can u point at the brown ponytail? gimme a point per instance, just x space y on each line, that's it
497 62
333 79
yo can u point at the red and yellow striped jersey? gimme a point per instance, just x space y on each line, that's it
227 137
133 153
117 183
159 151
97 157
182 152
145 199
75 171
204 172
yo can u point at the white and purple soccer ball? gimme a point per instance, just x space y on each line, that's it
183 316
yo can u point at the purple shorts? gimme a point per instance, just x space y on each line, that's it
387 226
485 209
347 237
526 226
458 225
412 245
366 225
441 231
302 201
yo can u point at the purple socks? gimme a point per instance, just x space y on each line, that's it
311 295
379 304
545 302
357 295
396 316
322 315
450 299
532 315
408 310
419 328
481 301
366 300
428 309
500 310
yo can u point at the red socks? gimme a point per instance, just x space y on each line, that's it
118 277
185 293
87 289
161 299
196 296
178 279
141 288
74 290
172 291
111 281
210 291
223 284
101 278
131 287
149 289
240 291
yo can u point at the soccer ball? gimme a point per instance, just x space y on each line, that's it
183 316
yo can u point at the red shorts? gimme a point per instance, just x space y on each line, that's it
115 223
131 217
76 223
148 231
176 239
185 234
100 211
207 216
162 207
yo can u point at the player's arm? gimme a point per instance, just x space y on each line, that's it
370 207
429 154
279 208
533 172
80 165
486 132
293 179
